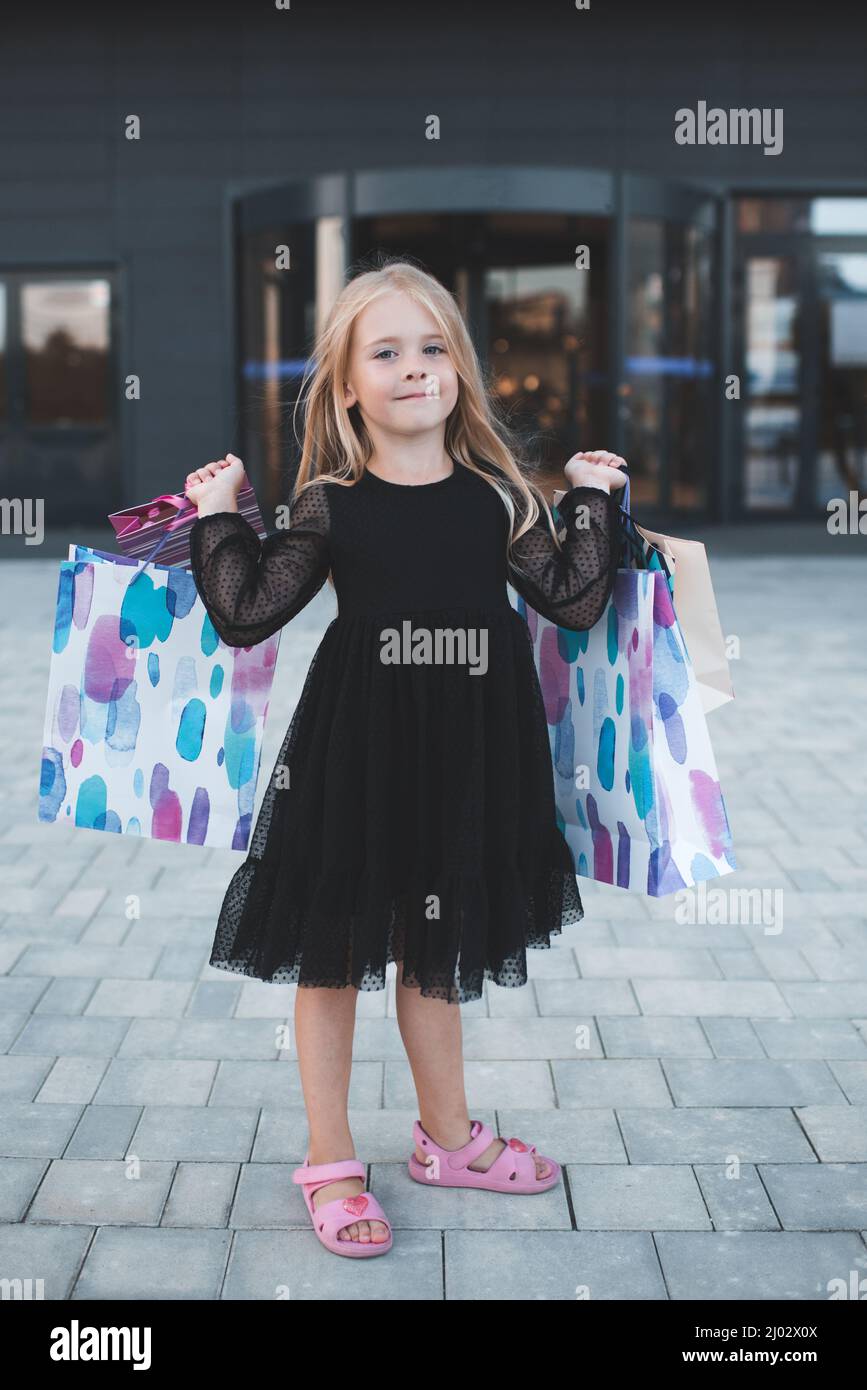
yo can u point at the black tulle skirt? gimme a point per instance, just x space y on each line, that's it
409 817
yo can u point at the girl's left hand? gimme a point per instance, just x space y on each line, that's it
599 468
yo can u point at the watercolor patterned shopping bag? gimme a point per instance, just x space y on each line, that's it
637 792
153 726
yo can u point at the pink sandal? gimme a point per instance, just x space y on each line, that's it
513 1170
329 1219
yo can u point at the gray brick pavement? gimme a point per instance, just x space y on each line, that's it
705 1086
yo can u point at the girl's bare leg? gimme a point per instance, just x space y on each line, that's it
324 1025
433 1038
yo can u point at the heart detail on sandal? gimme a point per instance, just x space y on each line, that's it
518 1146
356 1206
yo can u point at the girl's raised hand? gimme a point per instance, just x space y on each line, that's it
598 468
225 478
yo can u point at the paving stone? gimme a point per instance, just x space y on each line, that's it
147 1082
730 998
585 998
40 926
10 950
837 1132
21 1077
610 1082
293 1265
502 1002
182 962
11 1027
818 1197
171 932
735 1265
265 1198
636 1197
852 1078
212 1000
36 1131
81 1192
732 1037
258 1083
200 1038
822 1000
80 902
736 964
104 1131
201 1195
631 962
140 999
19 1180
55 1035
736 1197
50 1254
126 962
21 992
487 1039
819 1037
72 1079
261 999
195 1133
726 1081
134 1263
66 996
546 1265
653 1037
713 1136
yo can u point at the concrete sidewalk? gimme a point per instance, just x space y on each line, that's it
713 1131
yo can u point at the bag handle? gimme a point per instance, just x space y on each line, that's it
186 506
151 509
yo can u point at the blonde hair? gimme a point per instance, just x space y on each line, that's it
336 445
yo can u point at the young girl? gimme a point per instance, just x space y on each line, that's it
410 817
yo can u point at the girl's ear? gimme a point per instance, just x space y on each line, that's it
349 396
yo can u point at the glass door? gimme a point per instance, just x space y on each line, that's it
58 392
774 377
291 248
539 321
841 429
666 402
801 316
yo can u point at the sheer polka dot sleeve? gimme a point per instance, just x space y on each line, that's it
571 586
251 587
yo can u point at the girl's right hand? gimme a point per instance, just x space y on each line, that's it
215 481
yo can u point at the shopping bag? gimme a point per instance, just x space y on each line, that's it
637 792
685 564
170 517
153 725
697 613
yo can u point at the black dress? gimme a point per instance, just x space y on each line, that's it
410 815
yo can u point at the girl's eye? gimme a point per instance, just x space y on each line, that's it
435 346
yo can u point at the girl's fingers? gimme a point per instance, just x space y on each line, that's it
209 470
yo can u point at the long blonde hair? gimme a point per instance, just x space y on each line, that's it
336 444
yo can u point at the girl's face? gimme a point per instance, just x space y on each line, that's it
400 373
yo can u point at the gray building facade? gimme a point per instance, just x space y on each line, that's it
654 218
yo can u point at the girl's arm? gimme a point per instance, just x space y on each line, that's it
571 586
252 587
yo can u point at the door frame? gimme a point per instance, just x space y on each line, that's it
804 248
110 490
508 188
